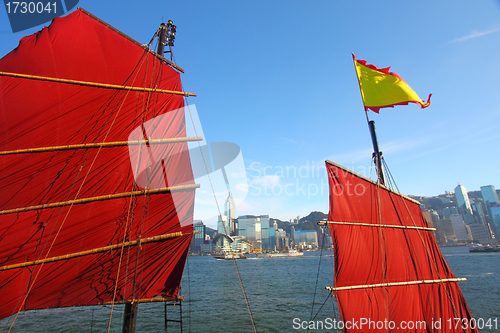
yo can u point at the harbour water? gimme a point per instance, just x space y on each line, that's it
279 290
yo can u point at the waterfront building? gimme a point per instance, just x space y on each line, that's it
478 233
230 212
432 218
305 238
459 227
199 237
463 204
478 208
446 227
494 212
448 211
489 194
281 239
268 233
222 225
250 227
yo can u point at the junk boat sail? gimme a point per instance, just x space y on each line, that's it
389 274
97 189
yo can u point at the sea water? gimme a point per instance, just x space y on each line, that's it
283 295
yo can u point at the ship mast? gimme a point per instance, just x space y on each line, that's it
166 36
377 154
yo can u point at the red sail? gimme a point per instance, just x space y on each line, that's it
40 112
390 275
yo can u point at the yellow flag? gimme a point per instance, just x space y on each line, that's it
381 88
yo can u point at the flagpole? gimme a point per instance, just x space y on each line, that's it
371 126
377 153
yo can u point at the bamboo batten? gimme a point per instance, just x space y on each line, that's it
146 300
377 225
114 247
102 198
389 284
101 145
95 84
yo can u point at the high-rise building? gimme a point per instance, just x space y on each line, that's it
489 194
268 233
222 225
463 203
199 236
230 212
447 211
492 204
305 238
459 227
478 233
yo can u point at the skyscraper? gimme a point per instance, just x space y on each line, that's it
459 227
463 203
489 194
230 212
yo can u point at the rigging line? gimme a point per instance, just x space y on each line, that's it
322 306
189 294
220 215
154 80
382 240
96 84
129 221
433 262
144 108
317 275
31 281
334 304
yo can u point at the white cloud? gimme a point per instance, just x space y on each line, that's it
475 34
266 180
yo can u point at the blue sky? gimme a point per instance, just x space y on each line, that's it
277 79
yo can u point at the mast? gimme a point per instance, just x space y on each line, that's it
166 36
377 154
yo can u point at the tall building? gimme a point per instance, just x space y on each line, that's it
489 194
478 233
230 212
305 238
448 211
492 204
258 230
494 211
268 233
459 227
222 225
463 203
199 236
281 239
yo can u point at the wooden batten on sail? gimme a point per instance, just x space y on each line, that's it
146 300
389 284
101 145
95 84
102 198
154 239
377 225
